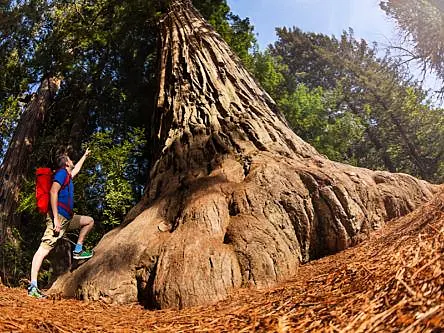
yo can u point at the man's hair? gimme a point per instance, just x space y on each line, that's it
61 160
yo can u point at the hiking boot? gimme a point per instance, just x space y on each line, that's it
35 292
84 254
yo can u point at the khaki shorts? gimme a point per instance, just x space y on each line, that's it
50 238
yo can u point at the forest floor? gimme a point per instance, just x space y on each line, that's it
391 282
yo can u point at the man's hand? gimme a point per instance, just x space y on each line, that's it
57 224
79 164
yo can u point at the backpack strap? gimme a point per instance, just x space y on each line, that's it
65 184
66 181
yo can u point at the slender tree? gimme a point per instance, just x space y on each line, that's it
16 161
19 22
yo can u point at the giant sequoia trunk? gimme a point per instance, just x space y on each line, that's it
16 161
235 198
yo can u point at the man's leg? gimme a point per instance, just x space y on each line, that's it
41 254
49 240
85 224
37 260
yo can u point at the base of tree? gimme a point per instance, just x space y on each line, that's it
249 222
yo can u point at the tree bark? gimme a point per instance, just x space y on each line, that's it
16 161
235 198
79 124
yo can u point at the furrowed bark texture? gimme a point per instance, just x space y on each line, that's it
16 162
241 199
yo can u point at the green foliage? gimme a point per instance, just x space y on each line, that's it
13 264
268 70
311 114
110 177
27 200
16 255
370 114
301 54
237 32
425 134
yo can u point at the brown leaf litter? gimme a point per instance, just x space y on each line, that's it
391 282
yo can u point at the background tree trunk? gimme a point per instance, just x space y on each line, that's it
15 164
79 124
243 200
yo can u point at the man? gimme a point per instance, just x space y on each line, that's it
60 218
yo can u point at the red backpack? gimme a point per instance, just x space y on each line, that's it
43 183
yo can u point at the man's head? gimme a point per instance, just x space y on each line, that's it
63 161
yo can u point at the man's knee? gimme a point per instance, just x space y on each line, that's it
89 221
85 221
43 250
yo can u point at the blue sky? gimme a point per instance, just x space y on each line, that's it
329 17
323 16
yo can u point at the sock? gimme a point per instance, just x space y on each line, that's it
34 283
78 248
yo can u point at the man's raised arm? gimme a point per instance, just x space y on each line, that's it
79 164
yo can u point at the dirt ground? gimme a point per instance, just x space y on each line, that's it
392 282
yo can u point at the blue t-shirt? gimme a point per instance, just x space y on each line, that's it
66 194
